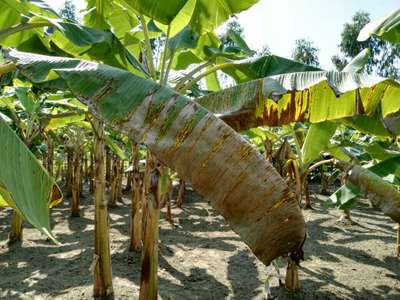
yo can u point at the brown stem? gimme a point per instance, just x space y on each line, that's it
85 168
102 268
129 179
91 179
76 184
68 177
324 182
398 240
114 182
181 193
136 217
307 200
346 217
81 175
108 167
120 178
297 176
50 156
168 197
148 276
268 149
292 276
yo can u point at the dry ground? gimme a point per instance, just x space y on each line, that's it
201 258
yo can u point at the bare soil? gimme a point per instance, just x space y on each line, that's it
201 258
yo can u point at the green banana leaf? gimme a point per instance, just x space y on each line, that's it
68 38
113 145
344 197
387 169
209 14
377 151
53 122
317 140
162 11
26 185
386 27
264 66
206 14
251 195
315 96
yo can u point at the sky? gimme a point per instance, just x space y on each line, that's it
278 23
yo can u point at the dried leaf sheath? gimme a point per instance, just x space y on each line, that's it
216 160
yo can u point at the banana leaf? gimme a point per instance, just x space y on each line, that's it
24 183
344 197
65 37
264 66
314 96
216 160
204 17
317 139
386 27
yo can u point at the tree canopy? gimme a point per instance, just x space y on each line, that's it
384 56
305 52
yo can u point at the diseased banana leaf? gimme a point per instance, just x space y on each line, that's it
24 184
206 152
315 96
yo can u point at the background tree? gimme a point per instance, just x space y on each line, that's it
232 25
264 50
68 11
305 52
384 56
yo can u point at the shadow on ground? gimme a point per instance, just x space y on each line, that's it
201 258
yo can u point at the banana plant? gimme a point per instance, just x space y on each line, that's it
170 124
32 118
177 131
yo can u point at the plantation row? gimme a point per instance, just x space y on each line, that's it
134 99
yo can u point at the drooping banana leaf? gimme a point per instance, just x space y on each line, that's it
217 161
26 185
264 66
314 96
65 37
386 27
52 122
